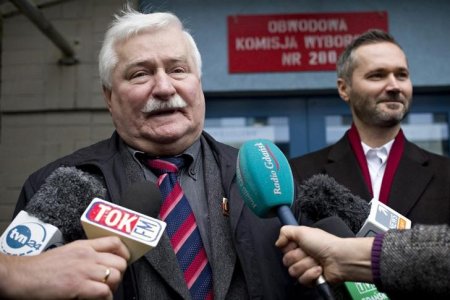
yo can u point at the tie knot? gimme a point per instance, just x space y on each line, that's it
166 164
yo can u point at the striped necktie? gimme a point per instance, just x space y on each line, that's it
182 228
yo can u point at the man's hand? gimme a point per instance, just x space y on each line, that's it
310 252
84 269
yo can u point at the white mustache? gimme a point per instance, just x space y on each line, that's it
153 104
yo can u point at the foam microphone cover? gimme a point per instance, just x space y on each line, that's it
264 177
63 197
321 196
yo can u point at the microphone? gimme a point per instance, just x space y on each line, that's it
265 180
352 290
51 218
139 232
321 196
334 225
143 197
266 185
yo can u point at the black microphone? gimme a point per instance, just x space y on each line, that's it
143 197
51 218
334 225
321 196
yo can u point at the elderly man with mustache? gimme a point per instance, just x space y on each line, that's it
214 247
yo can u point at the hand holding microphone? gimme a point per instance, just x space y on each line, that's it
84 269
321 252
322 197
297 250
52 218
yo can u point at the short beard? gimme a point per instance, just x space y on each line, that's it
382 119
153 105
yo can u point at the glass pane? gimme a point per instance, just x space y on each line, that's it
235 131
427 130
335 127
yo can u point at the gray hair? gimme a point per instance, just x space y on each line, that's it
130 23
346 63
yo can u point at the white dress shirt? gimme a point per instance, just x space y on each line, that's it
376 161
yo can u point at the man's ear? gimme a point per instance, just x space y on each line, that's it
107 94
343 89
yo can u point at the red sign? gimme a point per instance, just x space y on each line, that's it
294 42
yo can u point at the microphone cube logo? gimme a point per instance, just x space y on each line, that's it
272 166
123 221
19 240
362 290
26 235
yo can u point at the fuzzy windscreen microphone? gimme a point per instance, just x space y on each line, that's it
321 196
63 197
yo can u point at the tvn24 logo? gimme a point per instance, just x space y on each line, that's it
20 237
26 235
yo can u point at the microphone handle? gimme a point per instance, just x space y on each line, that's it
285 215
287 218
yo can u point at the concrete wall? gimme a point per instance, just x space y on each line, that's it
49 110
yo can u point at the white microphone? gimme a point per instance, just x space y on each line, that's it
382 218
27 235
139 232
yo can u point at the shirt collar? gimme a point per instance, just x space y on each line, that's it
382 151
193 153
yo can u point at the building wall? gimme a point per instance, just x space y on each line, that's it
421 27
49 110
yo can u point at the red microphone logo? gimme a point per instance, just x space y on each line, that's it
124 221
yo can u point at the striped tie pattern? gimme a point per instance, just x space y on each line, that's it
182 228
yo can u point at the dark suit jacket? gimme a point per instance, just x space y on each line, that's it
245 262
420 190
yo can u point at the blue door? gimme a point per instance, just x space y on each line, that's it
281 120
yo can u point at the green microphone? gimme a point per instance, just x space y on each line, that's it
266 184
